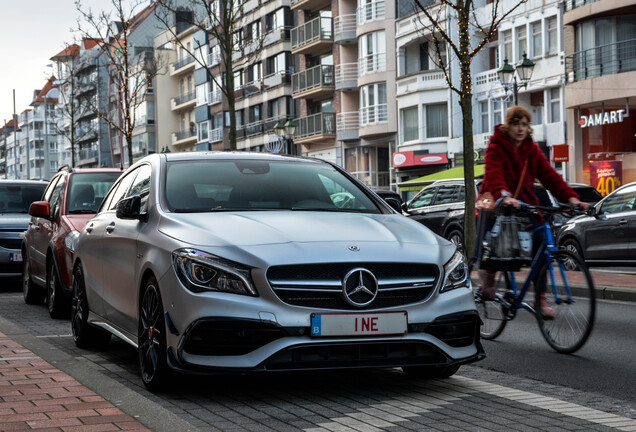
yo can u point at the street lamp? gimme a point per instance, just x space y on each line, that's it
286 132
507 75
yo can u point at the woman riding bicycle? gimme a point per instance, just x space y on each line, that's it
513 162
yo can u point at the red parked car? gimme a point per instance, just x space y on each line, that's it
71 198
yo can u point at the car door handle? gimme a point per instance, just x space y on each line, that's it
622 222
89 228
110 228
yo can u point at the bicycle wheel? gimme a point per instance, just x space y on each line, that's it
491 312
574 308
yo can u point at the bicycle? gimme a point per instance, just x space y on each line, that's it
570 291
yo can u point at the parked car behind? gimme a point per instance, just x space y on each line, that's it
256 262
586 193
607 237
72 197
15 198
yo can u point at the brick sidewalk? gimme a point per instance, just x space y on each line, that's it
36 396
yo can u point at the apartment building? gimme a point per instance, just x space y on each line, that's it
600 91
41 133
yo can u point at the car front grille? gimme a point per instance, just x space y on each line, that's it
320 285
14 244
363 354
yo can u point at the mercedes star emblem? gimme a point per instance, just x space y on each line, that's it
359 287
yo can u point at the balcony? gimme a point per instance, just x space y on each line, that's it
347 76
344 29
313 37
216 135
186 100
429 80
374 11
184 137
91 153
214 59
182 65
309 4
347 126
279 34
316 128
373 114
372 63
600 61
573 4
276 79
36 154
215 97
315 82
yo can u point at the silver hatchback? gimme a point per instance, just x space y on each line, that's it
259 262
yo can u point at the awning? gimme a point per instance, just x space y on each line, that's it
453 173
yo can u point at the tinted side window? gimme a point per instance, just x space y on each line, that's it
424 198
141 186
55 202
620 202
446 195
49 189
118 191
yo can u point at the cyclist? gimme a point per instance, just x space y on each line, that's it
513 162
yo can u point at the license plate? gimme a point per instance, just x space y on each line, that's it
361 324
15 257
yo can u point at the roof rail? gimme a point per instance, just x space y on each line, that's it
65 167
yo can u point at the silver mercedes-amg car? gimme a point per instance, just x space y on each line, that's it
260 262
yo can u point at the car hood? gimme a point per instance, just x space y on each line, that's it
15 220
278 227
78 221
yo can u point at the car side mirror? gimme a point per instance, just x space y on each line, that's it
129 208
394 203
40 209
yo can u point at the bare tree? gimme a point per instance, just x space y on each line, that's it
225 22
130 68
475 28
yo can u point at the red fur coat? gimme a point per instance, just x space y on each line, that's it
504 165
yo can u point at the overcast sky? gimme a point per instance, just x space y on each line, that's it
32 32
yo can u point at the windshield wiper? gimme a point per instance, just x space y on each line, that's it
84 211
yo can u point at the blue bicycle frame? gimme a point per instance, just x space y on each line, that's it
544 254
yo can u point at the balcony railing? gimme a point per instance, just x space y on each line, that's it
180 135
346 75
216 135
372 63
373 11
254 128
373 114
315 30
215 97
186 60
186 97
347 121
276 35
344 27
317 76
316 124
573 4
604 60
214 59
88 153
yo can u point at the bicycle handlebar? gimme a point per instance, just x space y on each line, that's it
565 209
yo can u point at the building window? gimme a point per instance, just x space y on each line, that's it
522 42
203 130
555 105
483 109
496 112
553 35
507 45
436 120
202 94
537 39
372 49
373 108
410 124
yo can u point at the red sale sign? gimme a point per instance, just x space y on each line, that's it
605 176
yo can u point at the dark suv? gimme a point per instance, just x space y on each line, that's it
440 207
72 197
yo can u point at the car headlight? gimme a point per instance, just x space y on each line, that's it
199 272
456 273
70 241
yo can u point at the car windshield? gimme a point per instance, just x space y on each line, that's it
221 185
588 194
16 198
87 191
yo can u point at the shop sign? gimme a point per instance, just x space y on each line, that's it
560 153
606 176
608 117
414 158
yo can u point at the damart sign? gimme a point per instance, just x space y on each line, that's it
608 117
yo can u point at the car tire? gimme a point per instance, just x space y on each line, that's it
55 301
84 335
572 246
430 372
456 237
152 350
32 294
